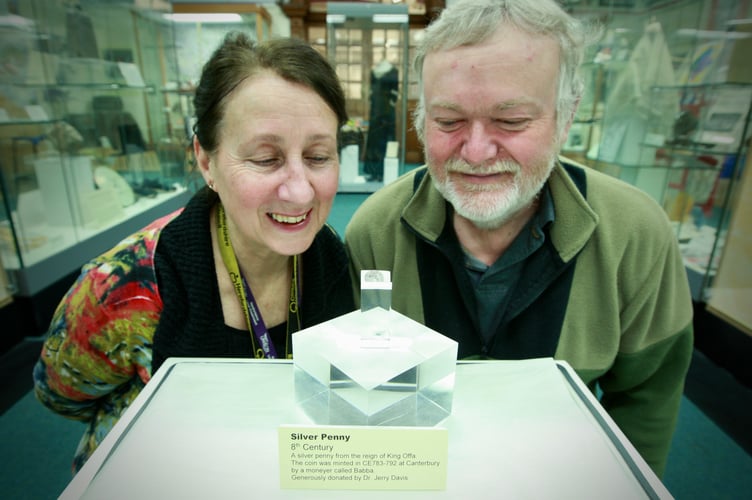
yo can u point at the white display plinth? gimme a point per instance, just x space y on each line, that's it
349 163
62 184
376 367
209 428
391 170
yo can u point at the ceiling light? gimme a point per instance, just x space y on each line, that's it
204 18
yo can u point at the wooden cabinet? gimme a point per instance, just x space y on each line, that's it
730 295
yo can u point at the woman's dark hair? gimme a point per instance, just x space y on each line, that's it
238 58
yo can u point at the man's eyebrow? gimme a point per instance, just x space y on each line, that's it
449 106
515 103
502 106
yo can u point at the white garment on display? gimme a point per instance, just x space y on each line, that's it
629 107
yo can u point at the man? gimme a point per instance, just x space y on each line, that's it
514 252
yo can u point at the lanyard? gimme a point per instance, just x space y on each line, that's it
256 325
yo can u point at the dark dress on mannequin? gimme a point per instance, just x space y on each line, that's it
382 122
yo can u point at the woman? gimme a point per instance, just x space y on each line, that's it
248 262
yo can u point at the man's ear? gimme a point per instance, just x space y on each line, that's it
570 120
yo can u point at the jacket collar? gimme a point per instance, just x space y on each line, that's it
426 214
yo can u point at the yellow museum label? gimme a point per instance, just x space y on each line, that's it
362 458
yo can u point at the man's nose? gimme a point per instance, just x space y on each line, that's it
480 145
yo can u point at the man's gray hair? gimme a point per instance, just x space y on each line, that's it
469 22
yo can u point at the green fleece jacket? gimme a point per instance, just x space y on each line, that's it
607 292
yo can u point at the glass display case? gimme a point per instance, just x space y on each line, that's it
196 29
369 47
7 287
667 109
89 151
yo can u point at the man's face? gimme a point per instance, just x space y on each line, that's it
490 131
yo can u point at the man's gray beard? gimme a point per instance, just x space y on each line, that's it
492 217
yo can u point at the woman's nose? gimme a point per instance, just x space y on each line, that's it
480 145
296 186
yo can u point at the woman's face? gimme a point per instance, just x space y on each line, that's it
276 167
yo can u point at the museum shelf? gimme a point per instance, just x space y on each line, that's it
89 149
56 251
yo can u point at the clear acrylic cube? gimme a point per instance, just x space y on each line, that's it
375 367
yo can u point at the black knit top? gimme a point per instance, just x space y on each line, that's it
192 324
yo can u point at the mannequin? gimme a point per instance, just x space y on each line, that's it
382 121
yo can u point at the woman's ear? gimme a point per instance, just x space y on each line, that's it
203 161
